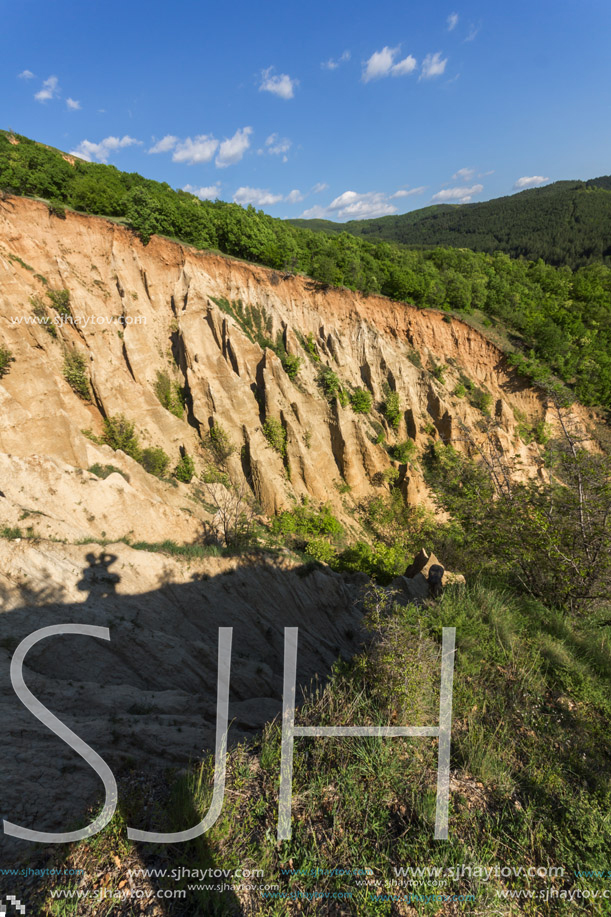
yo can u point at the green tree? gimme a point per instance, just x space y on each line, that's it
6 358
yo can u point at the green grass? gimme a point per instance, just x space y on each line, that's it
531 768
191 551
531 762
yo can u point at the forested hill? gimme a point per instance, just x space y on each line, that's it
559 319
568 222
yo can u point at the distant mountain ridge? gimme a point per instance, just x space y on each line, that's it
567 222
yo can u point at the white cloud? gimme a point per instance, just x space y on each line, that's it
473 32
203 147
334 63
379 64
195 150
320 186
433 65
263 197
403 192
102 150
530 181
460 195
233 149
464 175
259 197
452 21
405 66
382 63
279 84
360 206
353 206
73 105
210 193
164 145
315 213
50 90
26 75
278 146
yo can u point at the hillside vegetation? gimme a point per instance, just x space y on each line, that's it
565 223
562 317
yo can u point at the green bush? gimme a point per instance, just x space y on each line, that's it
119 433
217 442
360 399
60 300
10 532
438 371
57 209
75 374
319 549
381 561
542 433
310 346
6 358
329 382
170 394
185 469
476 396
155 461
392 408
275 434
414 357
483 401
40 311
404 452
104 471
307 523
291 364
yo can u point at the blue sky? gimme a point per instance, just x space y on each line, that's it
337 109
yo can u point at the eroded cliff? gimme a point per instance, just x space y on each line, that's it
204 320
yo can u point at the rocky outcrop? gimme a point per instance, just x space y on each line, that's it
424 578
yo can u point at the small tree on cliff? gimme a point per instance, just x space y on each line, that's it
552 533
235 507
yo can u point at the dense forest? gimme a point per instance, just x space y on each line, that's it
561 317
566 223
